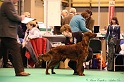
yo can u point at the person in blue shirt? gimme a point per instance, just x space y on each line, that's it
78 23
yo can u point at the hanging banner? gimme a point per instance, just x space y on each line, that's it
111 10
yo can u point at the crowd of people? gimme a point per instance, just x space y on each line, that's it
14 35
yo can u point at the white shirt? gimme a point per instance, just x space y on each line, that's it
32 34
114 26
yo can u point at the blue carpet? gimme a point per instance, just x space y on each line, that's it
62 75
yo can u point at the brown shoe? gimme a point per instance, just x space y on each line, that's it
22 74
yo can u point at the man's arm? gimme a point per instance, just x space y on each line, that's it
11 13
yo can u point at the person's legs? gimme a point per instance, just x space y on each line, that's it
14 49
7 61
72 64
24 59
5 55
90 55
10 61
0 49
3 52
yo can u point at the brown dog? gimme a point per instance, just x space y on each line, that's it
77 52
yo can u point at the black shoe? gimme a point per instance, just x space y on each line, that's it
75 73
7 65
23 74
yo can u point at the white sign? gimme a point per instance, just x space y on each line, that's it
52 12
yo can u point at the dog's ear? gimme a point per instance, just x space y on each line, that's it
87 33
90 34
86 40
93 35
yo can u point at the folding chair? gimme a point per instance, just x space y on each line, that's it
96 46
117 55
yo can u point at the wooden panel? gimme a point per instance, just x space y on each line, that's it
120 17
94 3
81 2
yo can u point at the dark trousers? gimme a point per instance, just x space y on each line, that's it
73 64
6 55
24 58
14 48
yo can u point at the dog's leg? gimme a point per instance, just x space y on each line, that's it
80 67
47 68
53 64
52 70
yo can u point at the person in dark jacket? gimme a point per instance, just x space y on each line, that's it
9 20
112 36
113 30
73 38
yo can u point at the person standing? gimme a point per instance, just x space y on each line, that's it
89 21
67 19
112 35
78 23
9 20
56 29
